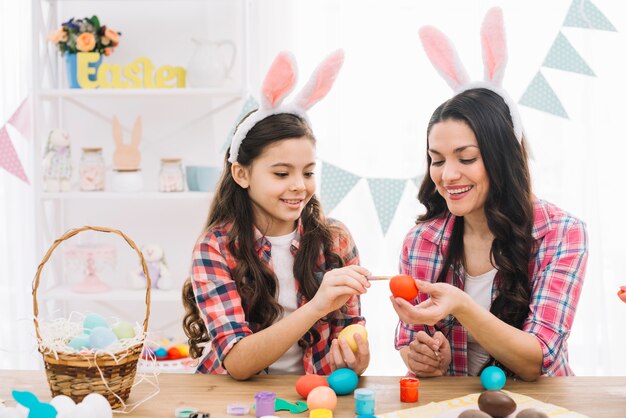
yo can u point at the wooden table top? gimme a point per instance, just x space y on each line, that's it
592 396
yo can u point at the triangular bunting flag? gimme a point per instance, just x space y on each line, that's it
563 56
336 184
8 157
539 95
21 119
250 105
386 194
584 14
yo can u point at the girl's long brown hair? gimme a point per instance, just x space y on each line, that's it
508 208
256 284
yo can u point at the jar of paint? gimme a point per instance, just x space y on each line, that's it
409 389
265 403
364 401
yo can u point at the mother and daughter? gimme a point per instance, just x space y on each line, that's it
274 281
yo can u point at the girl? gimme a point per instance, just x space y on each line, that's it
501 270
273 281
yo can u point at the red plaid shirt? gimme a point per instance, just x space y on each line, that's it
556 270
220 304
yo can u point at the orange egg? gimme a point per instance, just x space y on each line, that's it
403 286
348 334
308 382
322 397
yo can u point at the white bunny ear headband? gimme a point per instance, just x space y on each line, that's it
443 56
279 82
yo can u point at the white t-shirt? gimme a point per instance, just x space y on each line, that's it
479 289
282 262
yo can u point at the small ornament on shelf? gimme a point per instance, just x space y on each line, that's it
171 177
57 162
127 175
91 170
157 269
94 261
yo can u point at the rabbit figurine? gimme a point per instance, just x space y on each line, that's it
126 157
160 276
57 162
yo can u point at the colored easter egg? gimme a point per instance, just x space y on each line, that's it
160 353
173 353
99 405
183 349
92 321
305 384
101 337
348 334
123 330
621 293
493 378
321 397
79 342
343 381
403 286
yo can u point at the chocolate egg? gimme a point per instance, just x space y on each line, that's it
496 403
531 413
474 413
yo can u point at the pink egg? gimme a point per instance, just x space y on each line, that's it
322 397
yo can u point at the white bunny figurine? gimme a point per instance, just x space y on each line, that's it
126 156
57 162
160 276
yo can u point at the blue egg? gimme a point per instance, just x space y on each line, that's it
343 381
160 353
493 378
80 342
101 337
92 321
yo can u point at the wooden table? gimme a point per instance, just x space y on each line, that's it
593 396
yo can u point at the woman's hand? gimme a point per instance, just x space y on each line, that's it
337 286
444 300
428 356
341 355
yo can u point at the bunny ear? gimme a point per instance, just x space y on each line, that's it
137 129
279 81
493 40
443 56
321 81
117 132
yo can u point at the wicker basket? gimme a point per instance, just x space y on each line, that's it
77 376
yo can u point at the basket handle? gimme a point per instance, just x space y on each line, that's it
70 234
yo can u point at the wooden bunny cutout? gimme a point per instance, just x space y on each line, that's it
126 156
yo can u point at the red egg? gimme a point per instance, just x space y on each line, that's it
305 384
173 353
403 286
621 293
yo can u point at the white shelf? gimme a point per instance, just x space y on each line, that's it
136 295
233 93
203 196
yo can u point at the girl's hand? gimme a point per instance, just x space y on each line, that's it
337 286
444 300
429 356
341 355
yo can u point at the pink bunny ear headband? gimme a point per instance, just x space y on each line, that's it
279 82
443 56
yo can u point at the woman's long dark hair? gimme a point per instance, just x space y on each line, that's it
256 284
508 208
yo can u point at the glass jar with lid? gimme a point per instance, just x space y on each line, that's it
91 171
171 177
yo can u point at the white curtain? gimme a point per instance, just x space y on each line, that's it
374 121
17 244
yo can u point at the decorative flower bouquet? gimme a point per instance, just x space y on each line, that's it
85 35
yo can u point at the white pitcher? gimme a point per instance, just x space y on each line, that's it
208 66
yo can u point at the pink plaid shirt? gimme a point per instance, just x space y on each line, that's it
556 270
220 304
